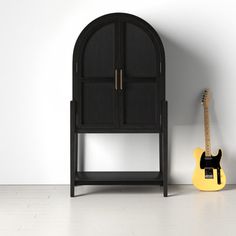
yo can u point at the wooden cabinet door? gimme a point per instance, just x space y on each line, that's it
97 98
139 98
129 46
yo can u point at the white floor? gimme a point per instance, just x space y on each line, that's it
116 210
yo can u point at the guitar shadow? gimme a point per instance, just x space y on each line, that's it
187 75
229 187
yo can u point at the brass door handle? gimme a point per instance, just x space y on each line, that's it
121 79
116 75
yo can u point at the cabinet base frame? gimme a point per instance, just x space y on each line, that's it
119 178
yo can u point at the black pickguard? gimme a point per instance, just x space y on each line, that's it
210 162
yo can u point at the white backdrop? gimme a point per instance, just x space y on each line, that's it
36 45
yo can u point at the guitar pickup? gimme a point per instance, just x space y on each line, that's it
209 173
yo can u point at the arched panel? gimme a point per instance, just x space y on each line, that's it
141 59
98 55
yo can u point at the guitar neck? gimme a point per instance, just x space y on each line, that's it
207 132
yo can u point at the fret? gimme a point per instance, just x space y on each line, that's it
207 132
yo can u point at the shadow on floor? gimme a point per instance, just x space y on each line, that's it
123 189
174 190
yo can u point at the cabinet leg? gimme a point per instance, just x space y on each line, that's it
160 152
161 155
165 191
72 191
72 171
165 148
165 165
73 149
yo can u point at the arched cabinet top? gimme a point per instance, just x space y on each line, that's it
111 18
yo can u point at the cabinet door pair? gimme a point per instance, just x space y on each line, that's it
118 74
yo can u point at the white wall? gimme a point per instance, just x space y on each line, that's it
36 44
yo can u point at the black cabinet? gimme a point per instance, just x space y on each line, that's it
119 87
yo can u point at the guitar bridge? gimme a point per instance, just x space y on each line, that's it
209 173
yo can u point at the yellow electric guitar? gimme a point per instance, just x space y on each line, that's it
208 174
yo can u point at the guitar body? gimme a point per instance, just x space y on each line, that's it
208 175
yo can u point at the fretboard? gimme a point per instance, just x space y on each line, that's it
207 132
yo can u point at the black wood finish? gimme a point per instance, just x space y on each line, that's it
164 148
118 178
119 87
73 148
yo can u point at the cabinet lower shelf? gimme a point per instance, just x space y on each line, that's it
126 178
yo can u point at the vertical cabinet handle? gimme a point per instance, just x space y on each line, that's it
116 75
121 79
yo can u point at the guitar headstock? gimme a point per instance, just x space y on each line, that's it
205 98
